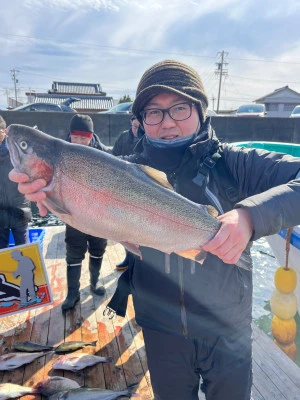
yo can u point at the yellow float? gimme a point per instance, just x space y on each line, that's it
285 280
289 349
283 305
284 330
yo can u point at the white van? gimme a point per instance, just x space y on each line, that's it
295 112
251 110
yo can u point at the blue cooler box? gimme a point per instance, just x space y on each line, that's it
35 235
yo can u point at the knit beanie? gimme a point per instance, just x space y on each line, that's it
174 77
82 125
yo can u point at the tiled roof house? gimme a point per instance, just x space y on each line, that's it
90 96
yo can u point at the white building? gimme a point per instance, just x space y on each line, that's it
281 102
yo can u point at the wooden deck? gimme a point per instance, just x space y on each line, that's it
275 375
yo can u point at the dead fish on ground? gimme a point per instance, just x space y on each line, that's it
76 362
30 347
93 394
15 360
10 391
132 204
73 346
54 384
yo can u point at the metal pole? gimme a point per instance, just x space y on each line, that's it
220 80
13 74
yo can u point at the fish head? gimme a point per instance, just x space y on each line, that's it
32 152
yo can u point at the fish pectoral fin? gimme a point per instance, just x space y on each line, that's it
212 211
57 207
133 248
193 254
158 177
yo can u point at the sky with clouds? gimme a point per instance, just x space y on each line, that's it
112 42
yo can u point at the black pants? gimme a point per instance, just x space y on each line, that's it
20 235
176 365
78 243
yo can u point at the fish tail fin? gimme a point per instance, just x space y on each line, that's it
108 360
132 387
37 388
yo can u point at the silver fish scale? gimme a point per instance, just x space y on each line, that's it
128 206
117 200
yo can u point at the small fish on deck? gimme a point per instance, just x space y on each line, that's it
11 391
54 384
76 362
12 361
68 347
93 394
31 347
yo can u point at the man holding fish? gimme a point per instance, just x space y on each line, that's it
191 298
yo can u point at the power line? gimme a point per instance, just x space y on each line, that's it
88 44
265 60
261 79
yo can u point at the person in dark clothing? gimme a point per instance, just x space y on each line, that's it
15 211
127 140
124 146
78 243
196 319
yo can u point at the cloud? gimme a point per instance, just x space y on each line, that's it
113 42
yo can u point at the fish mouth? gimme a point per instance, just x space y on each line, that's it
14 151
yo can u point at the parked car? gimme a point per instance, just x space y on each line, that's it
210 113
122 108
296 112
62 107
251 110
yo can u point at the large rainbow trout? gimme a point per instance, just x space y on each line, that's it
107 197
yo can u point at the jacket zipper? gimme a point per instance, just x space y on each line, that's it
214 200
182 305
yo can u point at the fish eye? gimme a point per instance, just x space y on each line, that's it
23 145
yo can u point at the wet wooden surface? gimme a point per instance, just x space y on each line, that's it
275 375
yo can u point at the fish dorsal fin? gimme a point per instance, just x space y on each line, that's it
157 176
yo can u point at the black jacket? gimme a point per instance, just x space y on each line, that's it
126 142
214 298
14 208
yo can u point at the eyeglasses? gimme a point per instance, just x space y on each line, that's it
178 112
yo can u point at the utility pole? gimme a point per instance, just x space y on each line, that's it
14 78
213 102
222 72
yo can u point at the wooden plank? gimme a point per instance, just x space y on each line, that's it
114 374
285 367
94 376
275 375
281 379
